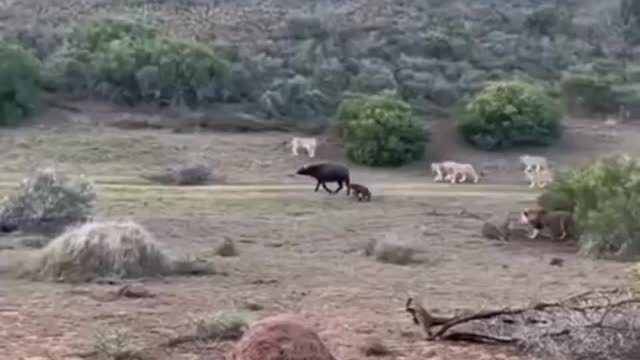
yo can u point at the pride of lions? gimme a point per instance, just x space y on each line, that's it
536 171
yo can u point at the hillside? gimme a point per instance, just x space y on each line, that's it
294 60
134 89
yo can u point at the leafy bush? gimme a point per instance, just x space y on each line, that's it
19 84
548 21
605 200
134 63
508 114
381 131
49 201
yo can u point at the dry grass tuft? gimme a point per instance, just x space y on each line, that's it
183 175
392 250
229 325
374 346
103 249
223 326
116 345
193 266
33 241
635 276
227 248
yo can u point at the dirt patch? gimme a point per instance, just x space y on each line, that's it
306 256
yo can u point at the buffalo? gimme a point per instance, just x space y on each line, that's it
327 172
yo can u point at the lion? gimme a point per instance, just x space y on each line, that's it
452 169
540 179
530 162
560 223
308 143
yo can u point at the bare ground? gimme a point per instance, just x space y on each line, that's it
299 251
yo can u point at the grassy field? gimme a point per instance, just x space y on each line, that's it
299 251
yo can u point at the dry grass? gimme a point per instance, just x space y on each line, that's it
32 241
103 249
224 325
392 250
374 346
227 248
183 175
116 345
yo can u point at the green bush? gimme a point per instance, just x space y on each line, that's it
19 84
134 63
605 200
548 20
381 131
508 114
295 97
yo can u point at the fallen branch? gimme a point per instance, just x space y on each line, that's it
583 311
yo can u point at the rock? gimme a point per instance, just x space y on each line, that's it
280 337
134 291
556 261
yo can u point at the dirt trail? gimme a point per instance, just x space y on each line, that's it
412 189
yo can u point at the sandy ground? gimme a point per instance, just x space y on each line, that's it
300 251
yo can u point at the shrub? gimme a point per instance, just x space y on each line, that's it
605 198
589 93
296 97
438 45
134 63
48 202
19 84
548 21
508 114
381 131
95 250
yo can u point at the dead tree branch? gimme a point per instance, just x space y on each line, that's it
541 320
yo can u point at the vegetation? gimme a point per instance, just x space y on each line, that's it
48 202
227 248
101 250
302 70
589 93
189 174
20 83
132 63
381 131
509 114
605 198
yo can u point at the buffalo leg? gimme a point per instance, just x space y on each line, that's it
324 185
318 186
339 187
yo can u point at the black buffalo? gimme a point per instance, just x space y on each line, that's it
327 172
